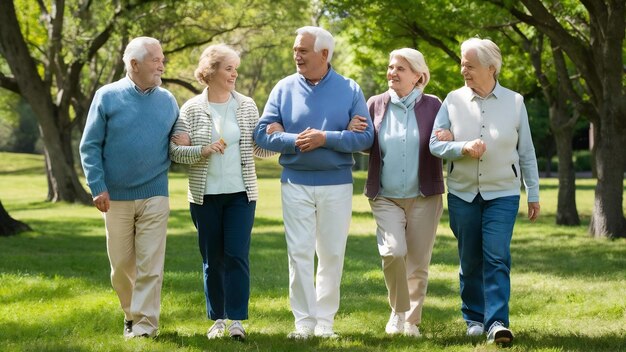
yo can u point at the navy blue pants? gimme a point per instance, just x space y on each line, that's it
224 223
484 229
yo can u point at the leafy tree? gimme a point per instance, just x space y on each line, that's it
597 53
59 52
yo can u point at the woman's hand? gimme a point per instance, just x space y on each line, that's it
475 149
217 147
181 138
357 124
444 135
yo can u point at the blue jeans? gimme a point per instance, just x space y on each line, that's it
484 229
224 223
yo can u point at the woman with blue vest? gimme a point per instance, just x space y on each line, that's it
404 186
482 130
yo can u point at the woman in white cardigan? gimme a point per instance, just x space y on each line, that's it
213 135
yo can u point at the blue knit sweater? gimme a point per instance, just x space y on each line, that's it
124 148
327 106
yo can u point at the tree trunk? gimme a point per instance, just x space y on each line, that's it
607 219
566 213
10 226
63 178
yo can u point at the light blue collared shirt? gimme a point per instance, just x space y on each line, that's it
399 145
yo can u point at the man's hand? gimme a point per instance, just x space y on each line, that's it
274 127
181 138
310 139
102 201
444 135
533 211
357 124
475 149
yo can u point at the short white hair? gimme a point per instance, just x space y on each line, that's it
416 62
487 51
137 49
323 39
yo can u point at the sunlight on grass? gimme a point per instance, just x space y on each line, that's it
55 294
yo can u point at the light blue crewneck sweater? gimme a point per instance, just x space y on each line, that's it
124 148
328 106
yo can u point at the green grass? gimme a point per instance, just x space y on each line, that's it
568 290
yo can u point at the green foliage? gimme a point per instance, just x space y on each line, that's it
567 288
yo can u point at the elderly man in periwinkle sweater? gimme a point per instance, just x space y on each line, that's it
305 119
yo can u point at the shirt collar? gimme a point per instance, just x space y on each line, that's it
320 81
496 92
139 90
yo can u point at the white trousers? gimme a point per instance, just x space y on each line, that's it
136 232
317 220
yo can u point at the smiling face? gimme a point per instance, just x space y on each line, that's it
312 65
225 76
400 76
478 77
147 73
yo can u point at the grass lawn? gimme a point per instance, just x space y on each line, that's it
568 290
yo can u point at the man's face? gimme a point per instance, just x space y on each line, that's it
478 77
147 73
309 63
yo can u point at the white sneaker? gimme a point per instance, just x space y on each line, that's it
395 325
325 331
217 330
236 330
301 333
475 328
499 334
411 330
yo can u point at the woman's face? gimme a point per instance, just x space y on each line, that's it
400 77
224 78
478 77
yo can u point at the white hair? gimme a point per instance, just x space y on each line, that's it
487 51
137 50
323 39
416 62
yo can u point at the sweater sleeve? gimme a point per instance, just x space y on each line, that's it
91 146
348 141
282 142
185 154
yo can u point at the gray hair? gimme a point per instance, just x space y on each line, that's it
211 59
416 62
487 51
323 39
137 50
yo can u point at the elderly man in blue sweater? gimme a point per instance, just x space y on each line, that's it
305 119
124 153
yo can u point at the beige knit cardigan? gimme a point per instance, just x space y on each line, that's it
195 119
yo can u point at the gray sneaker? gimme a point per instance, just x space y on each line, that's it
499 334
217 330
236 331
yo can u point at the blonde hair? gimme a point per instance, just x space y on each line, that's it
210 60
487 51
416 62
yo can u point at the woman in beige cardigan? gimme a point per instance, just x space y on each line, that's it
213 135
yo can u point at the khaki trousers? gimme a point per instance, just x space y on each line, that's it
136 232
405 233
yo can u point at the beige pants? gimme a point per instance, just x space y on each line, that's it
405 233
136 232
